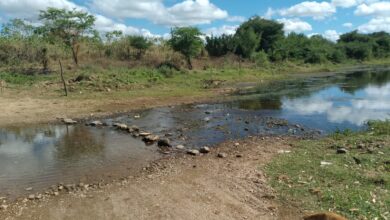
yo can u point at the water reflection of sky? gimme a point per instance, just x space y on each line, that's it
338 106
45 155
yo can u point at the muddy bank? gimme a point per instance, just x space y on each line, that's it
179 187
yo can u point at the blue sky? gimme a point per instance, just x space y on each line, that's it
155 17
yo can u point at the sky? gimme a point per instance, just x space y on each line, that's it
154 18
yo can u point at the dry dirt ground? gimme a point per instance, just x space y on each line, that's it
26 110
178 187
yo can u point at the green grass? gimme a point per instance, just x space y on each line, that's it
126 82
356 184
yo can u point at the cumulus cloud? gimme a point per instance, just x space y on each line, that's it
295 25
30 8
270 12
377 9
104 24
344 3
218 31
348 25
316 10
375 25
188 12
235 19
332 35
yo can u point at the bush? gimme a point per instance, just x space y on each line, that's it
260 59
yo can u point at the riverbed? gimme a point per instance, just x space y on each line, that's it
34 157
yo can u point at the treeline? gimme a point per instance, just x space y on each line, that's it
259 39
70 35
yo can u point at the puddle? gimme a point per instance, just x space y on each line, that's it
42 155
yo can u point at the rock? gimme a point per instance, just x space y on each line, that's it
204 150
324 163
357 160
3 207
327 215
29 189
133 129
222 155
342 151
284 151
150 138
31 197
144 134
164 142
180 147
193 152
39 196
70 187
360 146
239 156
69 121
236 144
96 123
137 116
56 193
120 126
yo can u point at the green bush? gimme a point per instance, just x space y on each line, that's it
260 59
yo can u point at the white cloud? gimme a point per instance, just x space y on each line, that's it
381 8
188 12
344 3
331 35
104 24
218 31
348 25
236 19
316 10
295 25
270 12
30 8
375 25
194 12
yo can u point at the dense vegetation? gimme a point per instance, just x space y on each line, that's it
70 36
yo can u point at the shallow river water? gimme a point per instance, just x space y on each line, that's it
42 155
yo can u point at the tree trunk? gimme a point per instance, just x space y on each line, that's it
75 52
189 63
62 78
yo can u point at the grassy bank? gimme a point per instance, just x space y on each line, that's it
355 184
94 81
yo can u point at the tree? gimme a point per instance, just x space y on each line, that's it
140 43
247 41
357 46
187 41
69 26
220 46
381 47
113 35
270 31
17 28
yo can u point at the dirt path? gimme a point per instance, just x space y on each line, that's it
182 187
